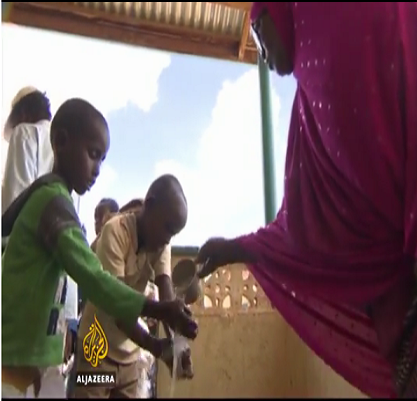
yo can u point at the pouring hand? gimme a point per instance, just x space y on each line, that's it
216 252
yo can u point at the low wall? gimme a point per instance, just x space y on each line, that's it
246 349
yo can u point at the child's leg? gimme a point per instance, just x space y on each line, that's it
72 377
52 384
9 391
144 385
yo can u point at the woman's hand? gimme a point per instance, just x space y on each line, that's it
216 252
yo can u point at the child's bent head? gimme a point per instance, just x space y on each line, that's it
135 205
80 140
105 209
164 213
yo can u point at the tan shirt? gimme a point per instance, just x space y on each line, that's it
117 250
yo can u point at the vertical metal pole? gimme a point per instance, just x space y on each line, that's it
267 143
6 8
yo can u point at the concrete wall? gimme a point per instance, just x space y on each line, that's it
252 352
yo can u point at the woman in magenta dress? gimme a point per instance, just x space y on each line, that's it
338 260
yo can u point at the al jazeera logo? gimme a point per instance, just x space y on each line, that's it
95 349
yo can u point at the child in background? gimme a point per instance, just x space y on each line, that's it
104 211
135 248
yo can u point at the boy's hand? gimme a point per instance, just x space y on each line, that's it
68 345
151 322
160 346
185 364
179 318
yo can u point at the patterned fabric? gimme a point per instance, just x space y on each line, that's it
406 369
344 240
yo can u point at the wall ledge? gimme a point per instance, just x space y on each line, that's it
190 251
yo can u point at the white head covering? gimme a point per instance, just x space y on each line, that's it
27 90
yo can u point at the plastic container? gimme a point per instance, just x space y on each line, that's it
186 282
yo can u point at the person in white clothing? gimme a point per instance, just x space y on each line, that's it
29 156
30 153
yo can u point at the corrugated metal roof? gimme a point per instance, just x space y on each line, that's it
202 16
209 29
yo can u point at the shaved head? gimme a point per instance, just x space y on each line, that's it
165 189
165 210
80 140
76 117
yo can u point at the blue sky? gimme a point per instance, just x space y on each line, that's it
195 117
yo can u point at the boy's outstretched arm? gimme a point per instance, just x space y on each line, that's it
61 234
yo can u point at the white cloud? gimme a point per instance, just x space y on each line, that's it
4 148
225 191
106 74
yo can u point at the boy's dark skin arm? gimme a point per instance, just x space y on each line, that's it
139 335
166 292
165 287
144 339
163 280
